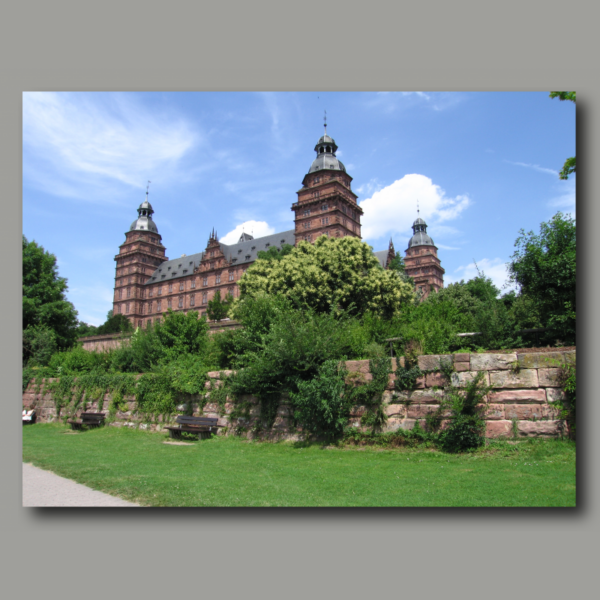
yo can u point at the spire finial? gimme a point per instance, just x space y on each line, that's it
325 121
147 188
418 211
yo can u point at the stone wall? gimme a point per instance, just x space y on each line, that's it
111 341
524 386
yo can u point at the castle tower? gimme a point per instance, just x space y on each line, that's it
326 203
138 257
422 262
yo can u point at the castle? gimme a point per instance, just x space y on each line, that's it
147 283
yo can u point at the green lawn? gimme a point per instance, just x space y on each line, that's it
138 466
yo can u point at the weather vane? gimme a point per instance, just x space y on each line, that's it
417 207
325 121
147 188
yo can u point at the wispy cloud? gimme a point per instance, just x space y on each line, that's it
255 228
389 102
392 209
494 268
99 137
567 200
534 167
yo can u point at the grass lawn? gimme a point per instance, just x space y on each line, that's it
138 466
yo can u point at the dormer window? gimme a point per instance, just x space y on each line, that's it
240 251
247 257
253 248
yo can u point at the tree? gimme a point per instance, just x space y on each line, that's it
218 309
569 166
44 301
274 253
340 274
115 324
545 268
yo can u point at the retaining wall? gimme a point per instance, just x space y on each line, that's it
524 387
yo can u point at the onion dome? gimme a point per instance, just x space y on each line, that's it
144 221
326 159
420 237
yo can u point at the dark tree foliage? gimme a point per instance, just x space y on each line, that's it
44 301
569 166
218 309
274 253
545 268
85 330
114 324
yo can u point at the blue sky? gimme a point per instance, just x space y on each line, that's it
482 166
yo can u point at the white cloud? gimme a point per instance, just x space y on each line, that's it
255 228
393 209
94 136
494 268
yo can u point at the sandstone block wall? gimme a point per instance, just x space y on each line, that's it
524 387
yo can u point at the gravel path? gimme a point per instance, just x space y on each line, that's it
43 488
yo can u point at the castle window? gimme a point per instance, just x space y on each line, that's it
283 241
267 245
193 284
234 260
322 149
218 278
180 301
129 292
204 300
120 294
307 238
150 292
181 286
317 179
247 257
328 149
307 225
253 248
205 281
158 305
169 303
212 265
325 221
127 308
170 288
230 275
316 194
324 207
193 300
140 323
160 290
306 213
168 268
230 291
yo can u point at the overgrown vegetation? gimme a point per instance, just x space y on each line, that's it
305 310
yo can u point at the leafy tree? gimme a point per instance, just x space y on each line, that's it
333 273
275 253
569 166
545 268
39 344
218 309
44 301
115 324
84 330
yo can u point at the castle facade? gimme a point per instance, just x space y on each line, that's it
147 283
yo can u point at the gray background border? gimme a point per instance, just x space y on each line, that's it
271 46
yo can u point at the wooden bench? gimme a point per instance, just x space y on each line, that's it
201 426
87 419
28 416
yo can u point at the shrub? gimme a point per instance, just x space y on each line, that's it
466 429
320 405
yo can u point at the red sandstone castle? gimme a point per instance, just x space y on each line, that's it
147 283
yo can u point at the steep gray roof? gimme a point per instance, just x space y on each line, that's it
175 268
247 251
240 253
381 256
